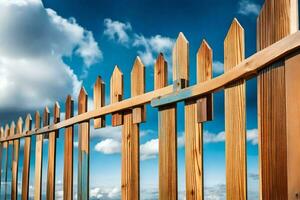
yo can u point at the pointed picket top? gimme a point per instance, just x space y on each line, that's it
204 62
28 122
160 72
6 130
137 78
234 45
20 125
99 101
181 60
116 85
12 130
69 107
56 112
46 116
82 101
37 122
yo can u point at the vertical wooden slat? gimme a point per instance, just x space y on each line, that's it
116 94
99 101
277 113
130 136
15 161
68 152
235 117
50 193
10 152
83 149
195 113
7 133
137 88
26 160
167 123
38 159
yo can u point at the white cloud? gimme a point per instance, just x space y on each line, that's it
33 42
108 146
108 132
153 46
116 30
247 7
76 144
105 193
148 47
218 67
252 136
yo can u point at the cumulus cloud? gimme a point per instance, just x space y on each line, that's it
147 47
218 67
247 7
105 193
108 146
116 30
34 40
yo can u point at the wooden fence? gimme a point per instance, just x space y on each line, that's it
277 68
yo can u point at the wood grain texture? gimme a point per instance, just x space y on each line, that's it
10 151
50 192
68 151
235 117
116 94
138 88
160 72
204 73
130 158
15 161
38 160
6 166
277 20
83 149
180 63
99 101
26 160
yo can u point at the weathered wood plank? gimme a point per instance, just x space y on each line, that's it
26 160
235 117
68 152
15 161
83 149
138 88
38 159
278 153
99 101
50 192
116 94
130 158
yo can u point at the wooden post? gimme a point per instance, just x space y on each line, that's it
15 161
26 160
116 94
7 133
68 151
99 101
50 193
83 149
130 137
278 111
10 151
1 152
235 117
38 159
194 114
167 122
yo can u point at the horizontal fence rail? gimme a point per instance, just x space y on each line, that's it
277 66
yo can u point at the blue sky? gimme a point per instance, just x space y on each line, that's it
51 48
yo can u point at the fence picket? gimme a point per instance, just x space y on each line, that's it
137 88
116 94
68 151
38 159
50 193
26 159
235 117
15 160
99 101
6 166
83 149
